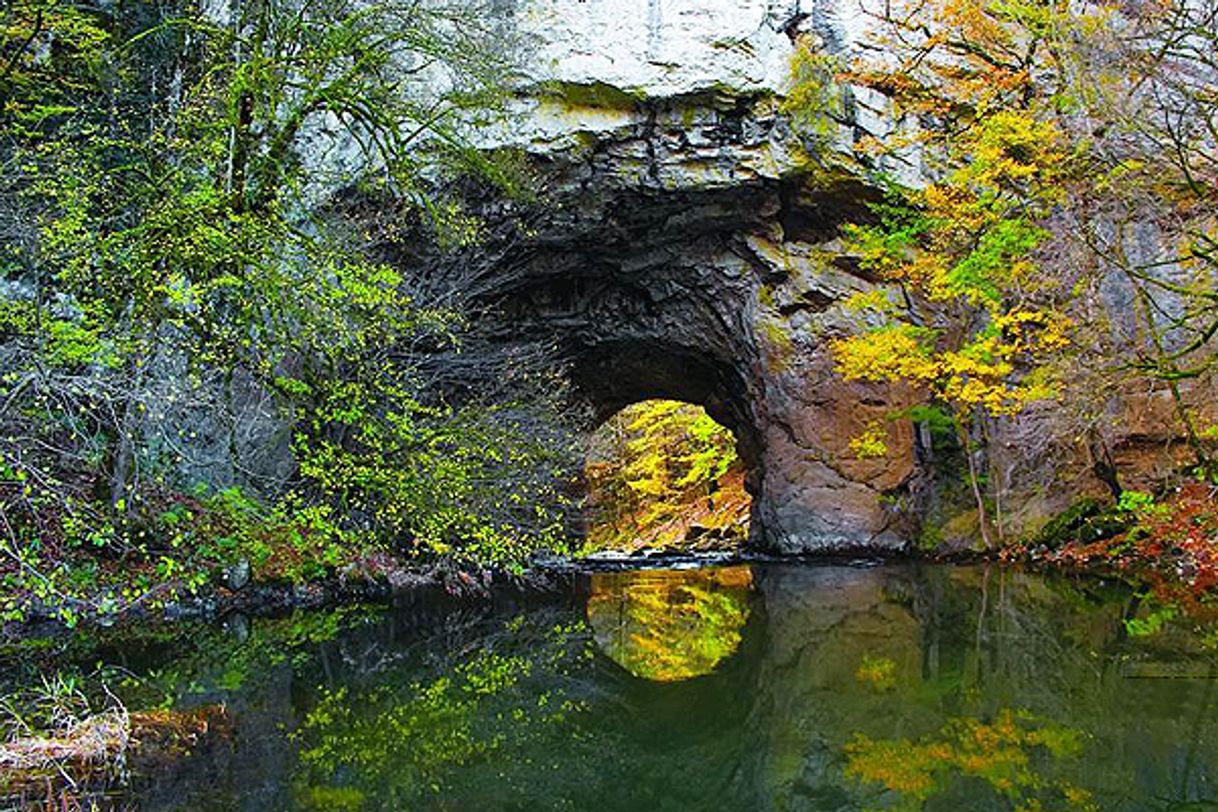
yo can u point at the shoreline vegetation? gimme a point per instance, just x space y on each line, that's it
236 384
1163 548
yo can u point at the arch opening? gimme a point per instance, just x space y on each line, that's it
664 474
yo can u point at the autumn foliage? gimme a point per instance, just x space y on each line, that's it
1037 156
1171 546
662 472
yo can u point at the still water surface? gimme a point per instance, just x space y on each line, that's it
764 687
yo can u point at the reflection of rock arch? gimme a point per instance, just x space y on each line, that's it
670 625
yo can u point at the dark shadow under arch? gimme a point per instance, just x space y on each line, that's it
614 375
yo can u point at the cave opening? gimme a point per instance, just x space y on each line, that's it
664 474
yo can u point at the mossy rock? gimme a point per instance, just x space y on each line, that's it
1085 521
961 533
592 94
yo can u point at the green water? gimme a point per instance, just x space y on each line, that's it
769 687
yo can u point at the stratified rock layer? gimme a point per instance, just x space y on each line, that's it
687 246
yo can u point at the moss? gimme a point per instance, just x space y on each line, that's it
765 295
814 101
930 537
1086 520
780 344
593 94
963 530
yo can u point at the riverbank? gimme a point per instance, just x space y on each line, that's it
1168 548
402 585
392 582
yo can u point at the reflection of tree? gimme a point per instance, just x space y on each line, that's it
399 741
996 637
1009 755
433 729
670 625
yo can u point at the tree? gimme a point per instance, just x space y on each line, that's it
1147 82
975 321
187 261
659 467
1012 109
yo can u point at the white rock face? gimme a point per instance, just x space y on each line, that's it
685 92
659 48
647 86
606 70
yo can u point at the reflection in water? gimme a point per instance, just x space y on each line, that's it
908 687
403 741
669 625
1012 756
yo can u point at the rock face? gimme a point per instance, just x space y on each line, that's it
687 246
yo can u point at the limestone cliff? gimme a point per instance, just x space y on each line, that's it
688 247
685 244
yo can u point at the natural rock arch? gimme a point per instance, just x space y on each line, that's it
687 244
727 298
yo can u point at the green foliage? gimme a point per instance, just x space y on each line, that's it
937 420
196 538
51 51
959 245
170 226
426 478
52 703
1085 521
1167 546
1139 504
1152 624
